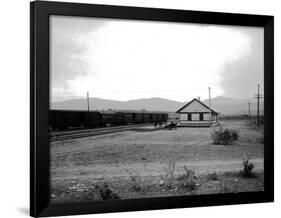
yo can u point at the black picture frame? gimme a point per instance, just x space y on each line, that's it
39 107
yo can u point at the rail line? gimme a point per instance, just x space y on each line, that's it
74 134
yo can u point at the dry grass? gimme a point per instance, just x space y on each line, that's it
120 188
192 144
109 157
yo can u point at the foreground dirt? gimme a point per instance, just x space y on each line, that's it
144 187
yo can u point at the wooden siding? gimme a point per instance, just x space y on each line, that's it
197 124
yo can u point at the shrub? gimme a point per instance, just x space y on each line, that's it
212 176
224 136
136 182
106 193
234 134
188 179
247 167
169 177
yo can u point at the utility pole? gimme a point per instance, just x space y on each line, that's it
249 107
88 102
210 118
258 97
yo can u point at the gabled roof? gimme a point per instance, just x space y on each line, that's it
195 99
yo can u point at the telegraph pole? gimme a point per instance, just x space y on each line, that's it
249 107
88 102
210 118
258 97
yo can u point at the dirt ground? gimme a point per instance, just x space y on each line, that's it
78 166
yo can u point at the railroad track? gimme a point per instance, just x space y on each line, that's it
73 134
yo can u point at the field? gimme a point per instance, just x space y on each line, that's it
134 164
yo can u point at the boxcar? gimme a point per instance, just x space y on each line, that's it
118 119
146 118
92 119
138 117
165 117
154 117
127 118
106 118
159 117
63 119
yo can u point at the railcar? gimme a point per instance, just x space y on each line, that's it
154 117
65 119
165 117
92 119
127 118
160 118
118 119
106 118
146 118
138 117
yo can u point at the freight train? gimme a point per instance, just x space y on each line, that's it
65 119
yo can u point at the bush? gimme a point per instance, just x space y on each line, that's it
188 179
169 177
234 134
107 193
212 176
136 182
224 136
247 167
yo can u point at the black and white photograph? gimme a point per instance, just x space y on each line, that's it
119 108
142 109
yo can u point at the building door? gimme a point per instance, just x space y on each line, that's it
201 116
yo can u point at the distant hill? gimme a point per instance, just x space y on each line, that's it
234 106
150 104
224 105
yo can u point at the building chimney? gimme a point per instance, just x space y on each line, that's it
198 98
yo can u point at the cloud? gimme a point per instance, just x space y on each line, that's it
121 60
69 49
240 77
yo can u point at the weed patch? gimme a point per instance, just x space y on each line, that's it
247 167
224 136
107 193
169 177
212 176
188 179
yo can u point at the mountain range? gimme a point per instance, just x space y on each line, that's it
223 105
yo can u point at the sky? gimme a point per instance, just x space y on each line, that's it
125 59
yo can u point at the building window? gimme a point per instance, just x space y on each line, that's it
195 117
183 116
189 117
